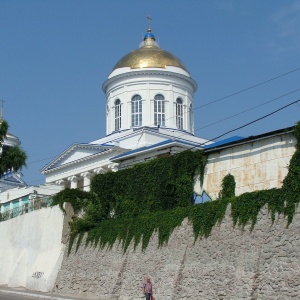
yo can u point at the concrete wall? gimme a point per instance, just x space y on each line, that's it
261 164
230 264
32 248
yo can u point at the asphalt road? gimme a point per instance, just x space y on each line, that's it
15 297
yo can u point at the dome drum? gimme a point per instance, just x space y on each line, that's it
149 87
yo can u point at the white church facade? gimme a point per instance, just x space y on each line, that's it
149 113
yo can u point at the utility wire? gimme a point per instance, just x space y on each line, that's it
217 100
256 120
246 89
247 124
244 111
211 102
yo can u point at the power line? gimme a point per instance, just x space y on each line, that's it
244 111
256 120
235 93
223 98
33 162
246 89
211 102
247 124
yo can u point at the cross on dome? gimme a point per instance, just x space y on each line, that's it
149 35
149 23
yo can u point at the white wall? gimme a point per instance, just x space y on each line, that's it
147 84
32 243
257 165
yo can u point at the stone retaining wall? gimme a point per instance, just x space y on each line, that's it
32 248
230 264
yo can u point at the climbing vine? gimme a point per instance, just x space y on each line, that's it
130 205
228 187
158 185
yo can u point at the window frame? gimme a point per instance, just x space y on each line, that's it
159 110
118 114
136 111
179 113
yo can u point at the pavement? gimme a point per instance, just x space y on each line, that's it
42 295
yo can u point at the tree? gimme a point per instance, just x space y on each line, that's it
12 157
3 130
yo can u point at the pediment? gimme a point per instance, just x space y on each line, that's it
75 153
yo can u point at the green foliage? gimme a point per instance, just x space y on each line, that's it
291 183
228 187
246 207
160 184
205 216
140 229
77 198
297 134
131 205
3 130
12 158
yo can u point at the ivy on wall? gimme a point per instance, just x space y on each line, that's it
130 205
157 185
291 183
228 187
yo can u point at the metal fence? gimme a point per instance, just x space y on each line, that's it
34 204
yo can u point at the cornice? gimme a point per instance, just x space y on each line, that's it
48 168
148 72
77 161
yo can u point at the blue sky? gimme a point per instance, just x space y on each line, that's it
56 54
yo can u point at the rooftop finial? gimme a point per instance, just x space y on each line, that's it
149 24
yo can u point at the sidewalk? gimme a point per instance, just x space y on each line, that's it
42 295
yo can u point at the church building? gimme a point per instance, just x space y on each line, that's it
149 113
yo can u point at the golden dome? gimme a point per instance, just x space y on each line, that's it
149 55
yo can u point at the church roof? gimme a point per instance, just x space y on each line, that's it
10 180
149 55
75 153
169 142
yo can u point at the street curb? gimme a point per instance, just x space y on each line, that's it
35 295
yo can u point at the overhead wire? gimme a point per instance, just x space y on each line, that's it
214 101
220 99
232 130
247 110
247 89
247 124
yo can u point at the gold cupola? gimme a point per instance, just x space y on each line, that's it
149 55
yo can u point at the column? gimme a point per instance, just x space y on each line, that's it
114 167
73 180
99 170
87 176
61 182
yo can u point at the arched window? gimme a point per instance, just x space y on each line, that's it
136 111
117 114
179 113
159 110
